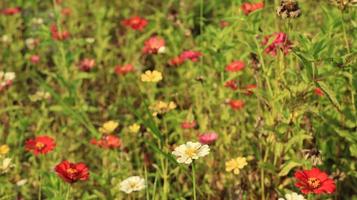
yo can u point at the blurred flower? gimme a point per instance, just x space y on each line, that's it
40 145
293 196
223 24
34 59
208 138
6 39
176 61
11 11
66 12
86 64
107 142
4 149
6 165
338 175
154 45
123 70
56 35
40 95
236 164
232 84
31 43
134 128
251 7
249 89
313 155
280 42
90 40
72 172
161 107
21 182
188 125
236 104
37 21
136 23
288 9
235 66
151 76
319 92
314 181
185 153
132 184
108 127
190 55
6 79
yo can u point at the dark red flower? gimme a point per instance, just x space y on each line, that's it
56 35
40 145
107 142
123 70
86 64
34 59
280 42
223 24
236 104
188 124
11 11
176 61
235 66
318 92
72 172
251 7
231 84
154 45
136 23
249 89
314 181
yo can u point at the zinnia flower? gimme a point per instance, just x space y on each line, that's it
56 35
280 42
108 127
236 164
185 153
235 66
250 7
314 181
236 104
232 84
208 138
293 196
40 145
134 128
249 89
5 165
188 125
319 92
4 149
151 76
161 107
135 22
86 64
11 11
72 172
107 142
190 55
154 45
132 184
123 70
34 59
6 79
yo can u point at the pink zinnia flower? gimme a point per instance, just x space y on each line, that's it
208 138
154 45
86 64
56 35
190 55
280 42
188 125
34 59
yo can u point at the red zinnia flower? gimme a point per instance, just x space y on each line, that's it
72 172
318 92
231 84
235 66
66 11
11 11
58 35
281 42
314 181
250 7
135 23
107 142
236 104
249 89
223 24
154 45
188 125
123 70
86 64
40 145
176 61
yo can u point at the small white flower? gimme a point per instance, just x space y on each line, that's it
162 50
293 196
21 182
6 165
6 39
185 153
37 21
90 40
30 43
9 76
132 184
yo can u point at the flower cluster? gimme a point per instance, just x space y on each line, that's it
184 56
6 79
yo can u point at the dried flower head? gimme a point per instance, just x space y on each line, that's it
288 9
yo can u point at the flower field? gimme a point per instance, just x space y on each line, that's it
178 99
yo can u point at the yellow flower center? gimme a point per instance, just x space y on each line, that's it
314 182
190 152
71 171
40 145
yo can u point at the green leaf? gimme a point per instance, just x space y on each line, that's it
287 167
330 94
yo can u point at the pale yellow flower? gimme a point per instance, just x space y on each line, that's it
185 153
161 107
134 128
4 149
236 164
108 127
5 165
151 76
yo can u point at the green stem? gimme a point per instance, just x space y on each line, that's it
194 181
68 191
39 186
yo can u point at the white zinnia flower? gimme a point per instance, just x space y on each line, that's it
6 165
185 153
132 184
293 196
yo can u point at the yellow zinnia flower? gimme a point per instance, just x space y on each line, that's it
236 164
151 76
108 127
4 149
161 107
134 128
